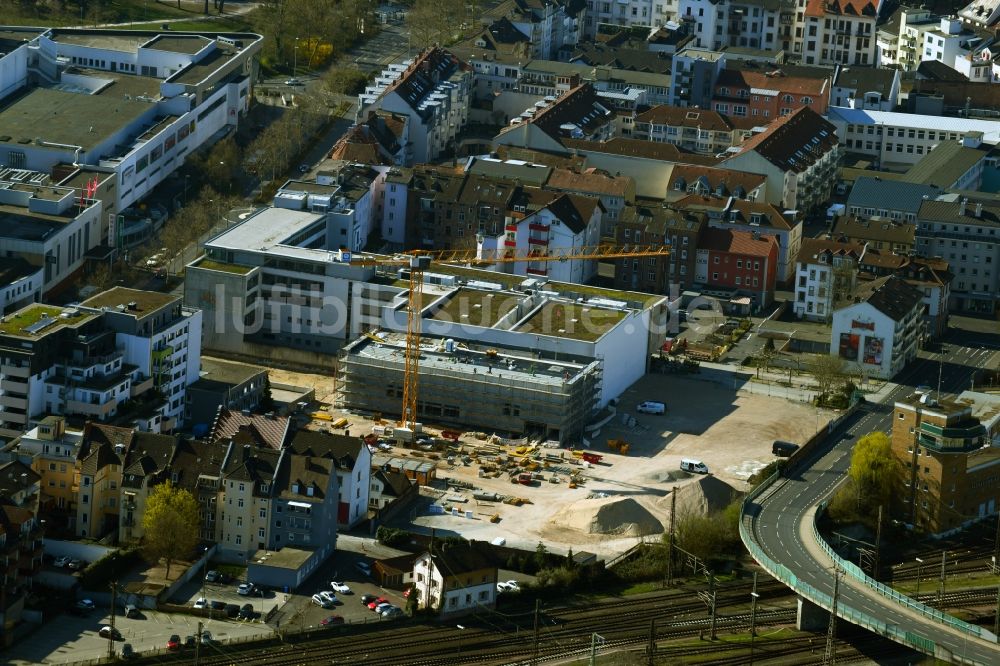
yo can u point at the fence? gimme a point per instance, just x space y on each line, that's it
823 600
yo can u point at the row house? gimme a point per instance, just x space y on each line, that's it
755 217
877 233
798 153
765 95
601 15
655 224
351 464
878 332
732 263
930 275
696 130
51 451
563 223
93 359
709 181
434 91
825 276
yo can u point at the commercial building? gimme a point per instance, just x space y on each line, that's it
898 201
132 104
965 232
434 91
949 460
878 334
92 359
825 276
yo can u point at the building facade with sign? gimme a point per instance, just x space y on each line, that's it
878 333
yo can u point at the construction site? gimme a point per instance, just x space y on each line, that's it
605 498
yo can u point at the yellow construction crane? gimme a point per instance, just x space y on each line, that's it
418 261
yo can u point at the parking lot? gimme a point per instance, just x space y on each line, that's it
71 638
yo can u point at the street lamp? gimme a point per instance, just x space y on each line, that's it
753 622
295 58
919 563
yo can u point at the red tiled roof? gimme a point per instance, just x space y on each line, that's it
775 79
793 142
847 8
676 116
736 241
250 428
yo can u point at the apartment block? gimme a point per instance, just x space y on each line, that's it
825 277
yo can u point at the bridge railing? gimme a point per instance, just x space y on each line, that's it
859 618
855 573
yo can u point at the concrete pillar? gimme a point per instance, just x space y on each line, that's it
811 617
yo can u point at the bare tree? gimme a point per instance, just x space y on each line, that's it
826 369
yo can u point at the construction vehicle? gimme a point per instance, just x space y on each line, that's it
619 446
419 261
587 456
525 478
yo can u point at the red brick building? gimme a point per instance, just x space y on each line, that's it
733 263
765 96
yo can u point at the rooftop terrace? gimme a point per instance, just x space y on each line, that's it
38 320
145 301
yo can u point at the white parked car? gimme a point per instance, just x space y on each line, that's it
513 585
651 407
322 601
62 561
390 611
340 588
502 587
201 602
329 596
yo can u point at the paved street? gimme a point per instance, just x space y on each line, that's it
780 525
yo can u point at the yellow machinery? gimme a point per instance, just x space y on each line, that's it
418 261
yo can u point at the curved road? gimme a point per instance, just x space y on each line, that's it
781 521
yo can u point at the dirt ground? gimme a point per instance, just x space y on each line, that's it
732 433
324 384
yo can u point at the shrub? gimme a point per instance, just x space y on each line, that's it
99 574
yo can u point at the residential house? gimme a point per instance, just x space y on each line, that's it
798 153
564 223
707 181
841 32
51 452
878 333
100 460
696 130
732 263
551 28
930 275
649 222
576 114
877 233
247 428
352 466
388 489
21 549
965 232
894 200
433 91
601 16
20 486
694 73
146 465
614 192
380 139
825 276
456 580
762 93
197 467
871 88
304 507
717 24
246 492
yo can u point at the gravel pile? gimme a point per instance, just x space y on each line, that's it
619 516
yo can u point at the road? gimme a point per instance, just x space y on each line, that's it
778 525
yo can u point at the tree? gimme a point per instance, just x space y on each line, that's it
412 603
541 556
826 369
875 469
345 80
712 536
170 523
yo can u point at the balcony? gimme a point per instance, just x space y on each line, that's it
138 388
537 241
20 371
13 401
11 386
89 409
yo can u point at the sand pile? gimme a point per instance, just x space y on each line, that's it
610 515
706 495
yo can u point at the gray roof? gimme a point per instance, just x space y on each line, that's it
866 79
948 212
944 165
876 193
890 295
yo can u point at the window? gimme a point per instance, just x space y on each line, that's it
260 533
263 513
239 539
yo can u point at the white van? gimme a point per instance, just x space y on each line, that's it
695 466
650 407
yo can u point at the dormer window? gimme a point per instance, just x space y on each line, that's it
309 491
295 488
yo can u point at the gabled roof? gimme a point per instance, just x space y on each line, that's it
150 454
194 458
11 519
666 152
841 8
427 70
574 210
849 226
345 451
890 295
16 477
793 142
249 463
866 79
457 559
247 428
727 181
775 79
394 484
737 241
946 164
935 70
590 182
703 119
869 192
579 108
822 250
302 475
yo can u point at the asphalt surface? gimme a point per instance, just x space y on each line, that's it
778 526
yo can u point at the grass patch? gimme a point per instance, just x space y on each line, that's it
222 24
642 588
237 571
930 586
211 265
15 324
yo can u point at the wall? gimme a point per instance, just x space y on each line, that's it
196 569
83 551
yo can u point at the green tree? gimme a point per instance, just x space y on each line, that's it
412 603
541 556
711 537
875 469
345 80
170 524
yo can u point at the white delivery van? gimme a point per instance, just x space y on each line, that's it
650 407
695 466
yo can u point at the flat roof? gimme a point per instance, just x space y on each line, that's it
67 118
989 128
494 363
569 320
286 558
229 373
146 301
190 44
265 229
198 71
28 321
476 307
118 41
16 222
13 269
309 186
12 37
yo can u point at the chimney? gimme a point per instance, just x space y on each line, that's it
961 206
979 210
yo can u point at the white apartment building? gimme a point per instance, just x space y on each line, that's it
904 138
130 103
716 24
568 222
457 581
832 33
626 13
948 41
434 91
878 334
548 26
825 274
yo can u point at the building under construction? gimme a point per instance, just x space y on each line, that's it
496 390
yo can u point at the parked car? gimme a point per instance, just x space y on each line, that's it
364 567
189 642
127 651
174 643
375 603
388 610
247 612
329 596
381 607
696 466
650 407
321 601
201 602
61 561
109 633
367 599
395 611
232 610
213 576
131 610
513 586
206 637
340 588
84 606
246 589
502 587
331 620
217 605
76 565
